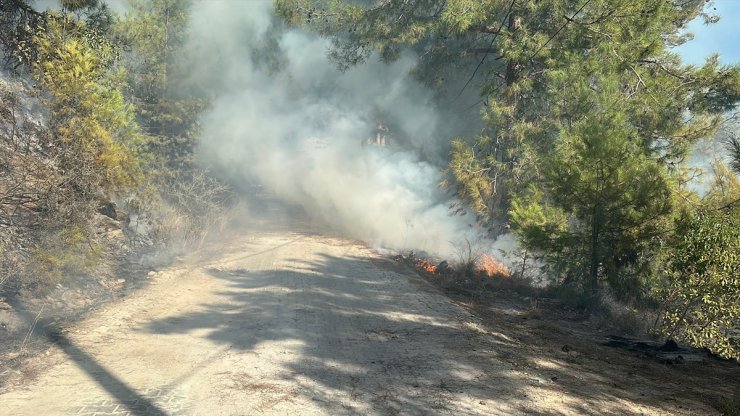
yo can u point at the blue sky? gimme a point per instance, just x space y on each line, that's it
722 37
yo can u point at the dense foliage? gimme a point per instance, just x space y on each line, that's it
117 126
599 204
701 298
88 116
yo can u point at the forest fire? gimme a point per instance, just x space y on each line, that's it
492 267
486 266
427 266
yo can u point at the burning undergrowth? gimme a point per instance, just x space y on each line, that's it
492 268
480 272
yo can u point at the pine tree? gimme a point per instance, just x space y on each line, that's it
154 32
601 201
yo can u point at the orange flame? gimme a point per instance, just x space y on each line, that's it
492 267
426 265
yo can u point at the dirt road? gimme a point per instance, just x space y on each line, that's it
286 322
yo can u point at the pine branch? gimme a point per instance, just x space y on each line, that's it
495 36
733 145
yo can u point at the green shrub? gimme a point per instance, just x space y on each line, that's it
701 299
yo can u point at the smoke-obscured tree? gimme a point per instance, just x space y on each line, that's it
511 49
544 70
168 106
154 31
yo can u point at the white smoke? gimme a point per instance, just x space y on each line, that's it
285 117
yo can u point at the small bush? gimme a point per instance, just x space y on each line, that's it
63 252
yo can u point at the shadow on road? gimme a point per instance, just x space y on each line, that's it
136 403
370 339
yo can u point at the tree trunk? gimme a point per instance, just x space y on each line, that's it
594 272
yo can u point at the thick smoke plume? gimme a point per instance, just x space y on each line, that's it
287 119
